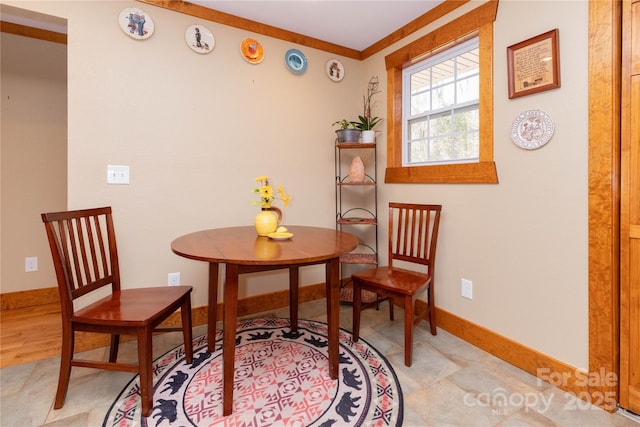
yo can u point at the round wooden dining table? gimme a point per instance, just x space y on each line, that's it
243 251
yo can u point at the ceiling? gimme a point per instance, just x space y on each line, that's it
356 24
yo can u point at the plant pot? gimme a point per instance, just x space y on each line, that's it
368 136
348 135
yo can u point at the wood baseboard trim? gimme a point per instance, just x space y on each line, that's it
31 298
256 304
564 376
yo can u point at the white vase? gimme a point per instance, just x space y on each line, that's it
368 135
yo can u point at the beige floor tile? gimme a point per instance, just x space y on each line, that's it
450 383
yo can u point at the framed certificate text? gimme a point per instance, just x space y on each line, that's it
534 65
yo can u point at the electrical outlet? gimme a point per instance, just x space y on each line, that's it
31 264
467 289
173 279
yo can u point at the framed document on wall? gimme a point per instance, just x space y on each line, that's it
534 65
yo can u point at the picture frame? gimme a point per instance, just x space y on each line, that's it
533 65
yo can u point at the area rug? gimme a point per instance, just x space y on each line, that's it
281 379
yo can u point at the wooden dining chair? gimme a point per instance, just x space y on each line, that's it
413 235
83 246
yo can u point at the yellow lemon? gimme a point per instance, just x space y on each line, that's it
281 229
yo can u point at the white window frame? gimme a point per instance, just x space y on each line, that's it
407 117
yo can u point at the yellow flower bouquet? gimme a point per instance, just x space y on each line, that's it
267 195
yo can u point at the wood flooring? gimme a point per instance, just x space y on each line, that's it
35 333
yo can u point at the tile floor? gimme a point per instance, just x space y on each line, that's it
451 383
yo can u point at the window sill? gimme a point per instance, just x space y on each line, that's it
462 173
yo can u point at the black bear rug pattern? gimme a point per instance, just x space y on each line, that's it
281 379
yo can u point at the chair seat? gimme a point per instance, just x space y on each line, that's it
397 280
133 307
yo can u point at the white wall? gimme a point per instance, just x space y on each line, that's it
523 242
196 130
34 155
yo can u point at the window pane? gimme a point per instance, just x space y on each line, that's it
420 103
467 146
443 96
419 129
443 72
418 152
466 121
440 149
468 63
440 125
468 90
420 81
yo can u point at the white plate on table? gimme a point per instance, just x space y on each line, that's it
280 236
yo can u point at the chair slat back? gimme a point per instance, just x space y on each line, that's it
413 233
83 248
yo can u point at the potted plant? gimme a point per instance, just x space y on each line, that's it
367 122
366 127
347 131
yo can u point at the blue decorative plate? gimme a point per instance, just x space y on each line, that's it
296 61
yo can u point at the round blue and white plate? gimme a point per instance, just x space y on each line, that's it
296 61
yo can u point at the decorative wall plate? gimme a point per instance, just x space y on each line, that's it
252 51
335 70
199 38
136 24
532 129
295 61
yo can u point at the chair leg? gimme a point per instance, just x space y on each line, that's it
113 348
357 306
65 365
145 355
390 308
431 306
185 312
408 329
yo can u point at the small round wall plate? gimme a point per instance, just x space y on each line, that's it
252 51
295 61
135 23
199 38
532 129
335 70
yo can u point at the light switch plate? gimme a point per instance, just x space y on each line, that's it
117 174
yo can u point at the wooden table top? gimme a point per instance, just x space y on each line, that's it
242 245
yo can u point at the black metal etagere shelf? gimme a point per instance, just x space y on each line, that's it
357 211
